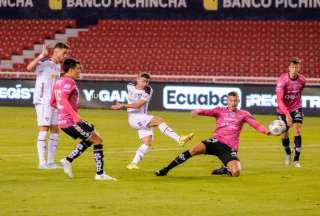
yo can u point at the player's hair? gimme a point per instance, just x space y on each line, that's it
294 60
68 64
145 75
233 94
61 45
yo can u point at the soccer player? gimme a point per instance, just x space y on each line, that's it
225 142
139 96
66 98
48 71
289 90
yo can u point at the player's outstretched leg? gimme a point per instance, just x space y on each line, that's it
198 149
169 132
178 160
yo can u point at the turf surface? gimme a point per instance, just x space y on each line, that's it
266 186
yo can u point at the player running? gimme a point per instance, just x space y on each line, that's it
48 71
66 98
225 142
139 96
289 90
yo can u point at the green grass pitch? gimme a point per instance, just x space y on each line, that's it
266 186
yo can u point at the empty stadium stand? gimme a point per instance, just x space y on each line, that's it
184 50
17 35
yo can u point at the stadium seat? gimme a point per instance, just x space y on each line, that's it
177 47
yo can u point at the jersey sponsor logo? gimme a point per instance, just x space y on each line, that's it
16 92
194 97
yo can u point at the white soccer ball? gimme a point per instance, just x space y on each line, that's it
277 127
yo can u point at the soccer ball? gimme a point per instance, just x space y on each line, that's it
277 127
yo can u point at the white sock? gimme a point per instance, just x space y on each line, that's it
52 146
166 130
140 153
41 145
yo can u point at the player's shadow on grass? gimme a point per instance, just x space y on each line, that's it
193 178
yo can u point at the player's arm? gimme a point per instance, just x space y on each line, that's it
205 112
256 125
33 64
136 105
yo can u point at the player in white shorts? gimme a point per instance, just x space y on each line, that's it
48 71
139 96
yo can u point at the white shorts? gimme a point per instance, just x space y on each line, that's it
46 115
140 122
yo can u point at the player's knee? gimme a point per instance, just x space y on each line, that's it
158 120
235 173
96 139
54 129
99 140
297 131
285 135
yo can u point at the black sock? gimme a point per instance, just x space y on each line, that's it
98 157
78 150
286 146
297 147
179 160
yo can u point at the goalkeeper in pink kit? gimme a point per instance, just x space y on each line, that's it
289 90
65 98
225 142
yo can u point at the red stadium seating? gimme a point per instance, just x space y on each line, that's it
17 35
196 48
240 48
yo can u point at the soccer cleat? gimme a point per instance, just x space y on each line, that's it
53 166
184 139
296 164
43 166
104 177
67 167
161 172
221 171
132 166
287 159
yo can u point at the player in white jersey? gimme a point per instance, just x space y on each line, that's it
48 71
139 96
